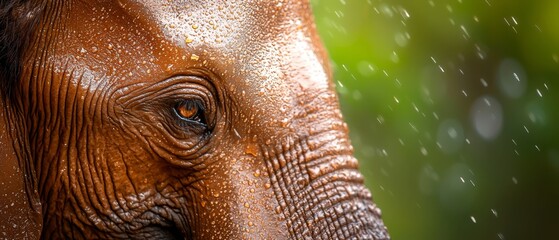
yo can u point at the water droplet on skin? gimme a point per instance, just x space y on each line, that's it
188 40
252 149
94 49
194 57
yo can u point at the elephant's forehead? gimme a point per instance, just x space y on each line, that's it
245 35
266 38
250 37
221 27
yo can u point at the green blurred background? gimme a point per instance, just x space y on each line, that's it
452 106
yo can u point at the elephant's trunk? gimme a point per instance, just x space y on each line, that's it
319 190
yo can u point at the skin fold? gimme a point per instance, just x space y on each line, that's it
140 119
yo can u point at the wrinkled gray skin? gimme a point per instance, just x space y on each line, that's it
108 150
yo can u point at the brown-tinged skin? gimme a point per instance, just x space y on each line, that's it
267 156
20 212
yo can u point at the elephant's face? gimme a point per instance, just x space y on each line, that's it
188 119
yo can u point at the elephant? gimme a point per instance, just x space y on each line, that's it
177 119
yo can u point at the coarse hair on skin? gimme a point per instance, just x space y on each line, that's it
18 19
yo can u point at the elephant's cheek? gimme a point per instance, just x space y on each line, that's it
238 202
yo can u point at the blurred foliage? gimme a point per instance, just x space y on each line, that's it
451 109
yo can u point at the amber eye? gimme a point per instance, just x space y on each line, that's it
190 110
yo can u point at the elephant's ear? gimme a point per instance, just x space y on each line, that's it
20 210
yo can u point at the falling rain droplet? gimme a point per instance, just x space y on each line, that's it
394 57
402 39
424 151
494 212
483 82
450 136
537 113
511 78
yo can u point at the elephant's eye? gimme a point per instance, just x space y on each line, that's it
190 110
